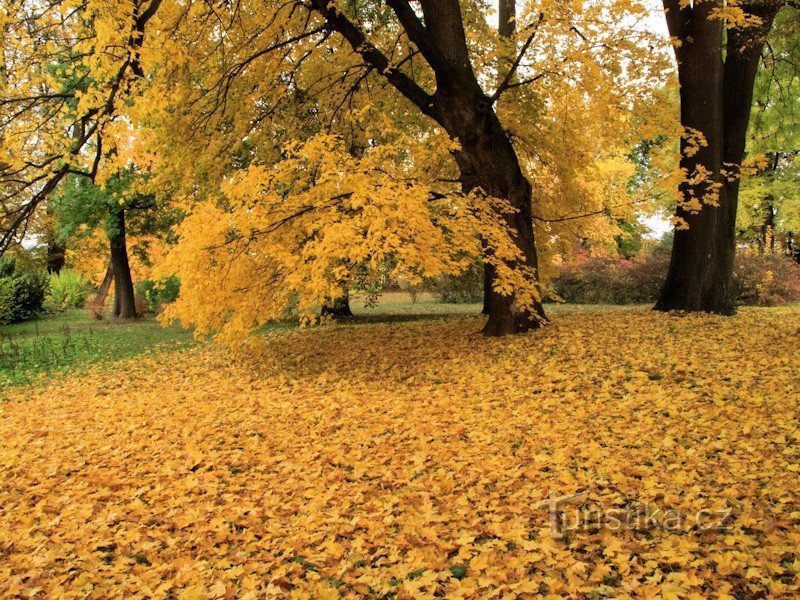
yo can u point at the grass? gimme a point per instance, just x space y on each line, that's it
73 340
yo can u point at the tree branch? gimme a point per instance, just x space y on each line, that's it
417 33
515 65
338 22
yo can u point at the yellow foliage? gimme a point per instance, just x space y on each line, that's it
89 255
360 461
296 233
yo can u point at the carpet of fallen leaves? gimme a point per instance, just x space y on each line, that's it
411 460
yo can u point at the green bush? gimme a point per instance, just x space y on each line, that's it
68 289
159 293
458 289
22 293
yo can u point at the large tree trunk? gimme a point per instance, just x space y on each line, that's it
486 160
124 300
693 279
716 99
506 26
338 308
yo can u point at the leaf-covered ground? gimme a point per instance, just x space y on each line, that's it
412 460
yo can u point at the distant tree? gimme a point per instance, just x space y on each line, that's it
83 206
770 215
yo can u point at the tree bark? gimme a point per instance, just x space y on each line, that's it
506 26
124 299
99 302
716 99
338 308
486 158
507 13
487 161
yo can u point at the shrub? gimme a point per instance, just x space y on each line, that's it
760 280
22 293
603 280
459 289
157 294
766 280
68 289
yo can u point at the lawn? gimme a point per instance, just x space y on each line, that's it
60 343
418 460
63 342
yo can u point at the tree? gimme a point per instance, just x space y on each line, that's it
716 94
217 96
83 206
770 215
506 26
566 103
64 77
485 156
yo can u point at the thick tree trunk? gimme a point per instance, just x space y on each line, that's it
486 158
692 281
56 256
339 308
506 26
716 99
487 161
124 300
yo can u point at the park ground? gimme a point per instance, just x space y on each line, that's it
406 457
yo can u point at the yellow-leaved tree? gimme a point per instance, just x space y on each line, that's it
311 142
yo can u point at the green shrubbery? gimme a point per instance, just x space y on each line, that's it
458 289
22 292
157 294
68 289
761 280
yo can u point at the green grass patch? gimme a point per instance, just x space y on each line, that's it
73 340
